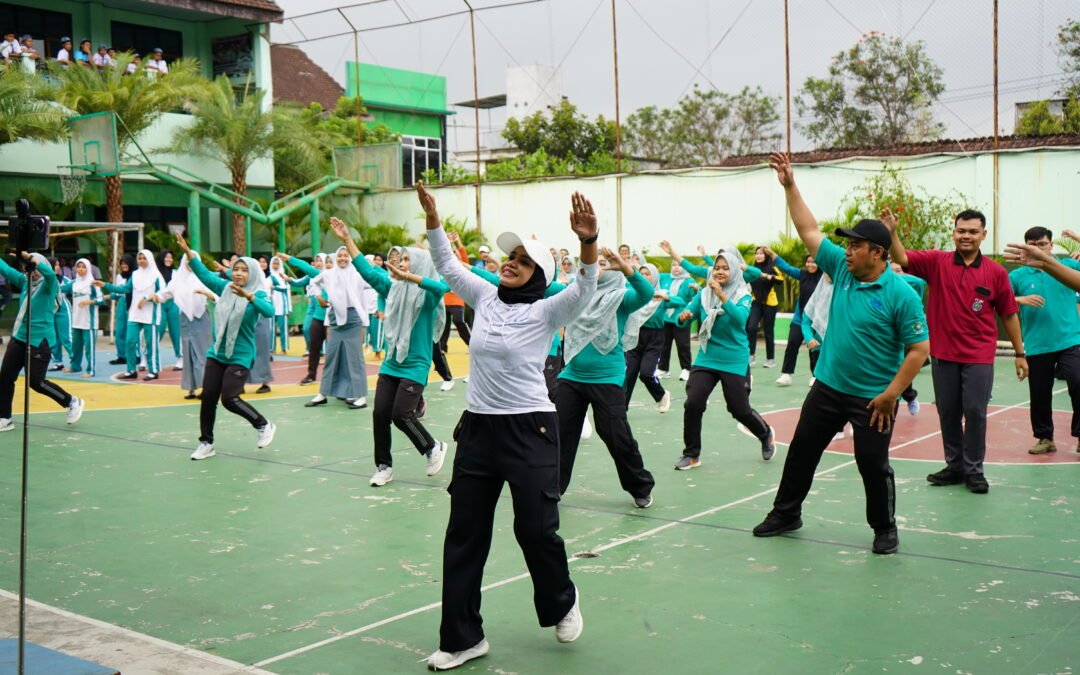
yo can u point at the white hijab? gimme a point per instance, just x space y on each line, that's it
735 289
82 282
282 300
598 322
818 306
143 278
313 290
344 288
183 287
638 318
405 301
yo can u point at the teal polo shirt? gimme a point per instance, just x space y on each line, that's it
589 366
728 349
870 324
1055 326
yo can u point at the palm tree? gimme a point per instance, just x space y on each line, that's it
23 115
138 101
234 128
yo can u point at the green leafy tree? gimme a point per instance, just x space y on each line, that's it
235 129
879 92
23 114
562 132
1071 117
1039 121
705 127
138 100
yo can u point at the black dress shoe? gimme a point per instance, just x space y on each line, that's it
774 525
151 376
130 375
976 482
353 405
307 380
312 404
886 541
945 477
117 362
191 396
265 389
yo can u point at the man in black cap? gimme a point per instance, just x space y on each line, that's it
876 342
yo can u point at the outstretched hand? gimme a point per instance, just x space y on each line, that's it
582 217
781 164
339 228
239 290
427 202
396 272
98 283
284 257
616 262
1027 254
890 219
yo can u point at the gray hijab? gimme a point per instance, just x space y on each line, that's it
638 318
598 323
735 289
229 314
405 302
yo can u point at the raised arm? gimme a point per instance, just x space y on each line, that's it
805 223
640 292
1033 256
785 267
896 250
431 286
209 279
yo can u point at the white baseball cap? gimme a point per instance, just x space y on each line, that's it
539 252
485 249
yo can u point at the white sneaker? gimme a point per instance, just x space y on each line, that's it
848 431
665 403
839 436
753 359
784 380
179 364
569 629
266 434
436 457
465 379
586 429
74 411
6 424
661 374
769 363
684 375
382 476
203 451
447 385
811 381
441 660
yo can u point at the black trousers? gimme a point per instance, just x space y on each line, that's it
455 314
316 338
681 338
225 382
824 413
608 401
553 365
438 359
1043 369
522 450
762 314
791 352
14 360
396 401
736 390
962 393
641 362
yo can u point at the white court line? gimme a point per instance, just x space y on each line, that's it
598 549
157 642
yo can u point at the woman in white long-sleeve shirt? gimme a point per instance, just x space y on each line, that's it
508 432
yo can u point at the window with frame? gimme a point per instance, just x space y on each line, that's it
418 154
44 26
144 39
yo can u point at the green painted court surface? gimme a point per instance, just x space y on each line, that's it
287 559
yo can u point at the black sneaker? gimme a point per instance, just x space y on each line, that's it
56 367
976 482
768 445
886 541
774 525
265 389
130 375
945 477
117 362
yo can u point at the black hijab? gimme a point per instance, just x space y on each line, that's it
166 271
762 287
130 260
532 290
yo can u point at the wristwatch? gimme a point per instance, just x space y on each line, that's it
592 239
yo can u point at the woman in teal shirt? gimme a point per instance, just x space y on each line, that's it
35 337
643 341
315 318
240 306
414 316
723 358
595 375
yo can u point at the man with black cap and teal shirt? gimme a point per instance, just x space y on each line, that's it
877 342
967 294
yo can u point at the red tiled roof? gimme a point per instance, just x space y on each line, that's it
944 146
268 5
298 79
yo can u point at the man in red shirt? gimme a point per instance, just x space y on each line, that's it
966 289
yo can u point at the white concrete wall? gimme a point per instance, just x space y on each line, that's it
1037 187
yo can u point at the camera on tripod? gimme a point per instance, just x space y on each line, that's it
27 232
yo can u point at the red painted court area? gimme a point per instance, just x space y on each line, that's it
1008 436
285 372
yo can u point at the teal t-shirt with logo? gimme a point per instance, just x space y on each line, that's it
870 324
1055 326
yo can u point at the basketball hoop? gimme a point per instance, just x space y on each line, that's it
72 183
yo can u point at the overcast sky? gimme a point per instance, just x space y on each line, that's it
745 39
